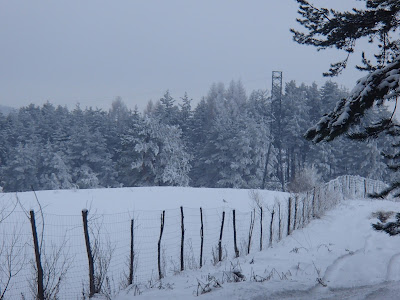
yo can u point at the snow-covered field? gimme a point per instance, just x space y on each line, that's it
338 256
110 213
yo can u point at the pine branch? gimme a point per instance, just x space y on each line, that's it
380 85
391 228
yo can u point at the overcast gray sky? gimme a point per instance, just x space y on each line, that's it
92 51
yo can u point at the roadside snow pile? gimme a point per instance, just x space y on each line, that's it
338 256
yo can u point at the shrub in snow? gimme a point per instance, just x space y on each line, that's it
304 180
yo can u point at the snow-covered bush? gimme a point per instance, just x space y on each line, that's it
304 180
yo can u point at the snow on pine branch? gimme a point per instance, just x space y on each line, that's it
375 88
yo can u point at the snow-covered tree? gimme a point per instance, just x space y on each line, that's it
22 169
155 154
166 110
54 172
89 156
380 23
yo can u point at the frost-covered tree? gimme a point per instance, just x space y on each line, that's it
22 169
204 116
185 116
89 158
166 110
235 142
54 172
155 154
379 21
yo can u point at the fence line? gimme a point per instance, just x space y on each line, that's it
189 239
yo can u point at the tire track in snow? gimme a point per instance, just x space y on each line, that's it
318 290
390 269
334 268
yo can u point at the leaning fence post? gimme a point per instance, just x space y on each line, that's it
89 252
201 237
160 275
220 238
40 286
252 217
182 240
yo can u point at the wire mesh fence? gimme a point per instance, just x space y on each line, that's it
64 254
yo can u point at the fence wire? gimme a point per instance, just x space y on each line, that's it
63 249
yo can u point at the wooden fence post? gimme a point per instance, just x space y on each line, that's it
160 275
182 240
295 212
271 232
313 205
261 228
220 238
40 286
132 255
201 237
234 234
365 188
89 253
303 212
289 215
252 217
279 222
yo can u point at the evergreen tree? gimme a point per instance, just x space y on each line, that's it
22 169
167 111
379 22
185 115
199 131
88 155
155 154
54 173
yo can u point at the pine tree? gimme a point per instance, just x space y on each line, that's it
54 173
379 22
185 115
22 168
166 110
154 154
391 228
89 158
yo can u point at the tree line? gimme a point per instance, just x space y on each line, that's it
228 140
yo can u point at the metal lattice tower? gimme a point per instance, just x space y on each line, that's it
276 101
276 92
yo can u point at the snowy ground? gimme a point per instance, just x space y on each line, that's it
336 257
110 213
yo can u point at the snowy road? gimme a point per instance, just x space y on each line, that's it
382 291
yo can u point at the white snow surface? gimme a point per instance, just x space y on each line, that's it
110 213
350 259
338 256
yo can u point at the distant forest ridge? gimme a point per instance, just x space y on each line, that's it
230 139
5 110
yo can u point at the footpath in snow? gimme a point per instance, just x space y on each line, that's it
338 256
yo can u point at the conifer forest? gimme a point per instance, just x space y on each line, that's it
228 139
